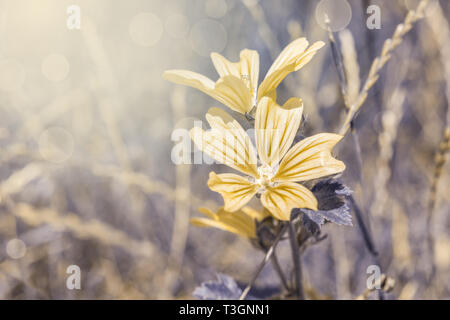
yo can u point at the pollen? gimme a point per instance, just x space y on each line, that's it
266 174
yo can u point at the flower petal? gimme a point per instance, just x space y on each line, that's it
310 159
281 199
238 222
219 119
247 68
204 222
189 78
208 212
292 58
229 90
276 127
234 93
255 214
226 142
224 66
236 190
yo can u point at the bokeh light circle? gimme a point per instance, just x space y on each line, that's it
56 144
16 248
55 67
146 29
208 36
339 13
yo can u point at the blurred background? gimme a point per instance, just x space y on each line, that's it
86 176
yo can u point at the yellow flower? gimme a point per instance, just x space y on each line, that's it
241 222
237 86
280 167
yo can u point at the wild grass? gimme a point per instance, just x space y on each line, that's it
119 208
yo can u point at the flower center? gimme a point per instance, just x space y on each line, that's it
266 174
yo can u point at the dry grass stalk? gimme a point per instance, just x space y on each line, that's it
390 120
94 229
146 184
19 179
343 76
441 31
351 65
182 189
439 161
401 248
107 86
265 32
13 269
182 206
386 284
386 52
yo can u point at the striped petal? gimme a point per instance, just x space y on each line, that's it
191 79
292 58
234 93
276 127
281 199
226 142
230 90
255 214
247 68
310 159
236 190
238 222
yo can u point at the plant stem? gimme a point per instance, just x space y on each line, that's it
365 231
277 267
263 263
297 262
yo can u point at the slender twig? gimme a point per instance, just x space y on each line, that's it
370 41
337 58
297 261
279 270
364 230
263 263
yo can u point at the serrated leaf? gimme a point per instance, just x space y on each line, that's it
331 196
312 223
224 288
339 216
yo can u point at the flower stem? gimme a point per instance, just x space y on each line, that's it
297 261
263 263
277 267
